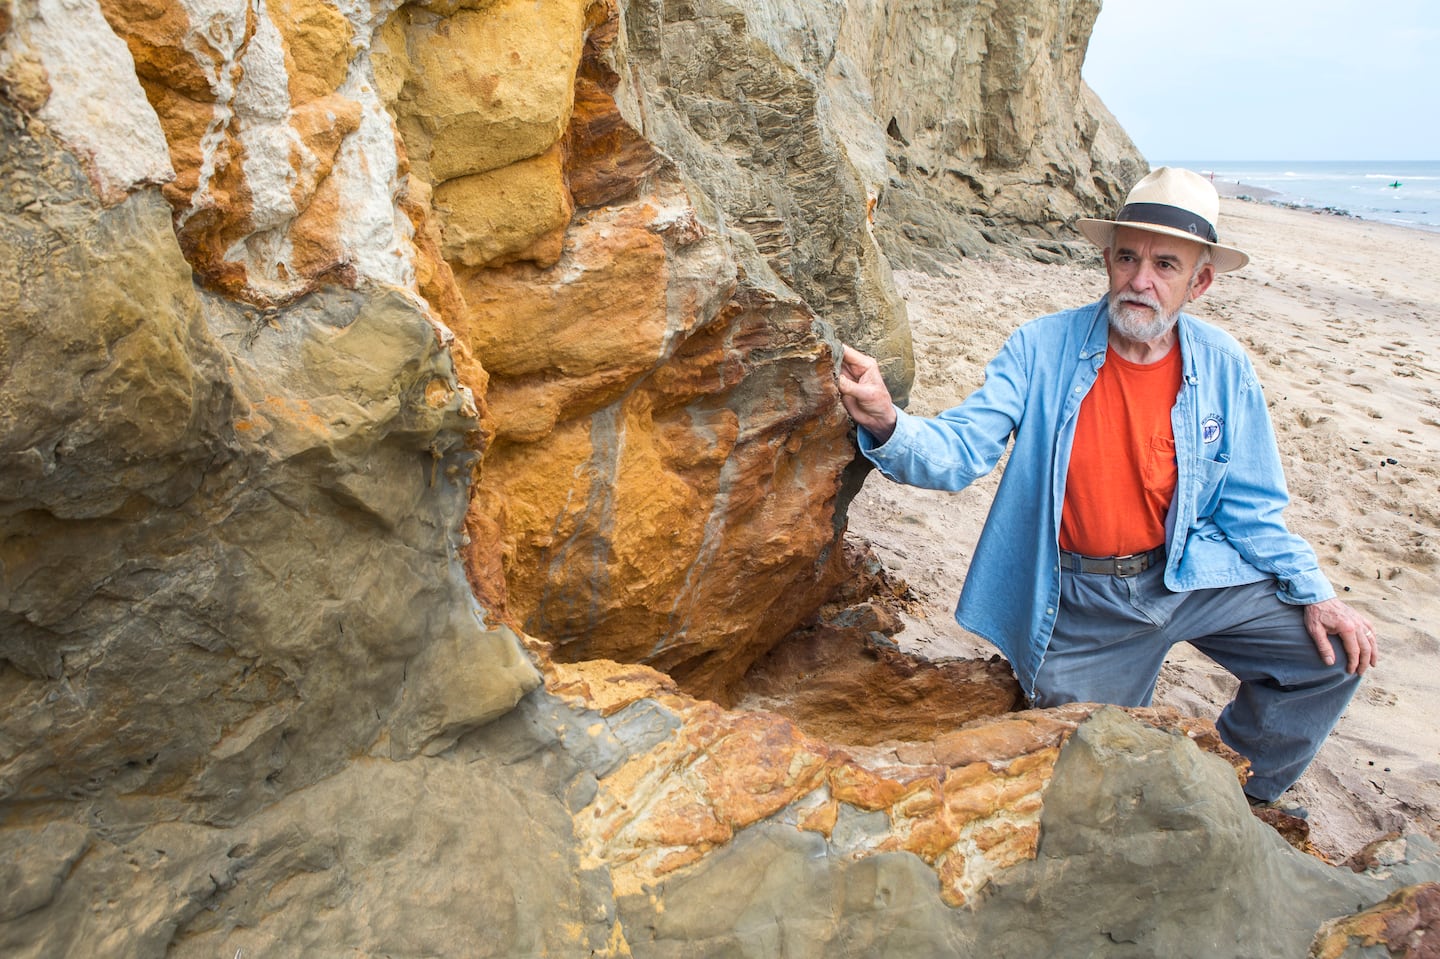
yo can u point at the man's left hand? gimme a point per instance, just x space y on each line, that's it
1335 618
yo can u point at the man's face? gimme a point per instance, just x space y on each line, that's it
1152 277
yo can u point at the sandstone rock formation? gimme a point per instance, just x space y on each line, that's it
416 420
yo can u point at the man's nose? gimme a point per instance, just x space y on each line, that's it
1144 278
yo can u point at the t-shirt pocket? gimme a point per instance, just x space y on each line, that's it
1158 472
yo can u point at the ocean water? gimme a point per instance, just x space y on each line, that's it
1363 189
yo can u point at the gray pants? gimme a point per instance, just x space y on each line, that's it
1113 633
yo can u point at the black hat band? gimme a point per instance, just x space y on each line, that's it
1163 214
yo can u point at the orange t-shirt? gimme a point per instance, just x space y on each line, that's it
1122 468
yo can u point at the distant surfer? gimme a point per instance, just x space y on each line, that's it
1395 185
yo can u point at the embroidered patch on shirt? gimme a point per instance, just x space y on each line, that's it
1211 428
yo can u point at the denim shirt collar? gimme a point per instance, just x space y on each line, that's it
1097 339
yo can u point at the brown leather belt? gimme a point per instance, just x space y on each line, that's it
1132 565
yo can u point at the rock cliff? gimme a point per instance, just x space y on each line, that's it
418 433
987 132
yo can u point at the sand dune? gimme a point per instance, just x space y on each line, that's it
1340 316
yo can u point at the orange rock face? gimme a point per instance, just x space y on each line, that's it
662 438
667 440
664 495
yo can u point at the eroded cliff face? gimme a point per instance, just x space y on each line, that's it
663 445
990 133
417 420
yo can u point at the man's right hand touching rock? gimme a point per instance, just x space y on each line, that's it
866 398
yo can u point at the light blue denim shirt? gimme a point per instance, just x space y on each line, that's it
1225 525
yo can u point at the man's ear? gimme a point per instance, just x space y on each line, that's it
1202 281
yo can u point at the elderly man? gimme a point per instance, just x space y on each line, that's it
1141 505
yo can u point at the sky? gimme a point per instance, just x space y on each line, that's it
1271 79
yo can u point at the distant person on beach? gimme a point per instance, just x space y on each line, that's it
1141 505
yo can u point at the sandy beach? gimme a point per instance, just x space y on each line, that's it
1339 315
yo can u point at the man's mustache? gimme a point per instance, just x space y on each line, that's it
1143 299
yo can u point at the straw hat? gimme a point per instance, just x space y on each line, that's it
1173 202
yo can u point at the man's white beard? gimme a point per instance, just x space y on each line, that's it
1130 323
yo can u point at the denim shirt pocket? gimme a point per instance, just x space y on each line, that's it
1210 480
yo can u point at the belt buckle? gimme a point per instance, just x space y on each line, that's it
1132 565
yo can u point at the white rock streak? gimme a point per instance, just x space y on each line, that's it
217 32
262 108
371 232
96 105
374 234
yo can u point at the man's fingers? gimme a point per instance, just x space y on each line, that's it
857 364
1351 639
860 376
864 394
1332 617
1369 651
1361 648
1321 637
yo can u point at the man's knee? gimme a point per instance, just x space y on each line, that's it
1113 688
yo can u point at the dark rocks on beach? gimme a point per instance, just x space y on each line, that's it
1255 194
1303 208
